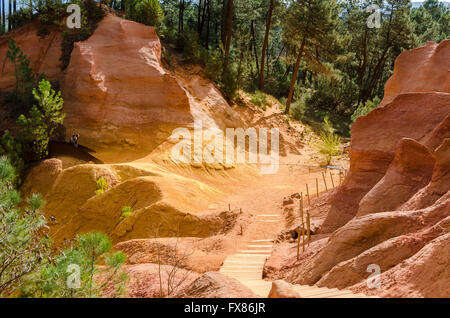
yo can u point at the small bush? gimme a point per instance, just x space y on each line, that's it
126 212
71 274
148 12
23 73
42 119
102 185
13 149
214 65
366 108
167 57
23 248
192 49
330 143
259 99
167 35
228 83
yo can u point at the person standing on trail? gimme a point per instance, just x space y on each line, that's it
74 140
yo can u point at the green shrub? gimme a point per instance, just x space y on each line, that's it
71 273
330 143
22 246
167 57
214 65
20 17
228 83
366 108
102 185
192 49
23 73
148 12
167 35
13 149
126 212
42 119
259 99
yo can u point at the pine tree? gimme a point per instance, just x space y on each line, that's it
309 25
42 119
22 246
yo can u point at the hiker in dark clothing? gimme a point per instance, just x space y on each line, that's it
74 140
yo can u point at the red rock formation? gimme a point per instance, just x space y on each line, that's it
416 106
424 69
151 281
44 53
410 171
117 95
393 209
216 285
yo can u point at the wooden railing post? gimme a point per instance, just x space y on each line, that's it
332 181
308 226
307 193
317 187
324 181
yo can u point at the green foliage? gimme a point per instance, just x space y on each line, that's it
42 119
228 82
21 17
167 57
298 107
75 271
167 35
102 185
366 108
329 145
193 51
13 149
22 246
258 98
148 12
22 71
214 65
431 22
126 212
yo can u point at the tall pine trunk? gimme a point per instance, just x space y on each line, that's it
266 42
294 76
9 14
207 24
229 31
223 33
3 18
252 31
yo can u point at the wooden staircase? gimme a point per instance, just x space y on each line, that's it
247 267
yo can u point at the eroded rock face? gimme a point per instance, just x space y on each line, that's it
410 170
282 289
195 254
151 281
216 285
153 195
116 92
426 274
44 53
412 108
424 69
119 97
41 177
393 209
